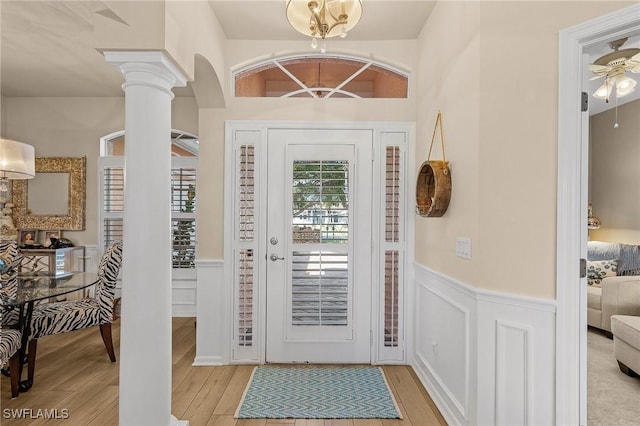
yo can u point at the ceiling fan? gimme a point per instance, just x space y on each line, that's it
613 66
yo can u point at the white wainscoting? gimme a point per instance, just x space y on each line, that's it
212 314
183 292
484 357
183 285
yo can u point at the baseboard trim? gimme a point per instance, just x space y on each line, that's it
208 361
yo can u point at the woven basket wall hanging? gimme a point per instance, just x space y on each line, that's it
433 188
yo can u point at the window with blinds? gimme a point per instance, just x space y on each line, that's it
245 244
183 197
112 204
183 222
320 276
320 201
392 237
320 289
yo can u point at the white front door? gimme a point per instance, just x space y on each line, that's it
319 246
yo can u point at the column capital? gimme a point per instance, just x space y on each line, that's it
147 68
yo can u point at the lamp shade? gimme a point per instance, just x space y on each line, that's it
17 160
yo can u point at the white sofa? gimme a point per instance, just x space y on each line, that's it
616 295
626 343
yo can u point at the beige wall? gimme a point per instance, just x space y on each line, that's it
72 127
615 174
492 69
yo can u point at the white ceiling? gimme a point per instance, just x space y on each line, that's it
47 46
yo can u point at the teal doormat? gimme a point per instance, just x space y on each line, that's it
317 393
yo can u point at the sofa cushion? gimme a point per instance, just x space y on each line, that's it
628 255
597 270
594 297
627 328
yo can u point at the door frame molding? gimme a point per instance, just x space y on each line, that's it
261 128
573 145
351 344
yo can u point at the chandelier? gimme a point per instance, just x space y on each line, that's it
323 18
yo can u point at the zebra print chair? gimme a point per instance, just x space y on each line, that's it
62 317
9 259
10 340
9 345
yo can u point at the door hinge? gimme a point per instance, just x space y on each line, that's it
583 268
585 102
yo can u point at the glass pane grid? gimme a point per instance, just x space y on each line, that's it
246 193
245 298
320 289
183 190
184 243
392 194
320 201
112 230
391 298
113 193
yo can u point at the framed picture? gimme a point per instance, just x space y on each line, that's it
28 237
48 234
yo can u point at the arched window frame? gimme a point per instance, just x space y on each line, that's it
313 91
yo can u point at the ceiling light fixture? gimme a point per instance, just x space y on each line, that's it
613 66
318 18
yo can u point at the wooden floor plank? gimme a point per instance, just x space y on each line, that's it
73 372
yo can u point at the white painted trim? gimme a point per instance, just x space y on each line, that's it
505 369
506 342
572 203
212 312
262 127
154 58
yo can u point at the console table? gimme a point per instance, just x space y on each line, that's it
52 262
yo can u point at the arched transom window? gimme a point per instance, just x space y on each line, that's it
323 76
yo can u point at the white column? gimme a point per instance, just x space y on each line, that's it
145 332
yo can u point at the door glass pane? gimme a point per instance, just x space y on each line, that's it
320 286
320 202
320 216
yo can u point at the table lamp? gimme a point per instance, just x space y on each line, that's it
17 161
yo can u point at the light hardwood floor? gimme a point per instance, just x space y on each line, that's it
73 373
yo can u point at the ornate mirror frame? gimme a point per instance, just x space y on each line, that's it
75 219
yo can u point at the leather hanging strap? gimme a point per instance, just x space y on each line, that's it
433 136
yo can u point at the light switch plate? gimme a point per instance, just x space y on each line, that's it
463 247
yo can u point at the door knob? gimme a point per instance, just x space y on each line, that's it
275 257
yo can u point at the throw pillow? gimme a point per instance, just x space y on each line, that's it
597 270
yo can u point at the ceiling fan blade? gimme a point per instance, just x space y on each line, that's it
595 77
635 58
598 68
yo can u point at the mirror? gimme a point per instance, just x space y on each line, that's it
54 198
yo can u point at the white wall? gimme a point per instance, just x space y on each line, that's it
615 173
